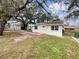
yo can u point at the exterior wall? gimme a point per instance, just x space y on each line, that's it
71 29
30 26
77 29
13 26
47 30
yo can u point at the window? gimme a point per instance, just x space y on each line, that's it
71 28
52 27
56 27
36 27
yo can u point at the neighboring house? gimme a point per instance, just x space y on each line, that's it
53 27
13 26
71 28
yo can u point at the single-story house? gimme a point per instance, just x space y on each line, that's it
13 25
71 28
53 27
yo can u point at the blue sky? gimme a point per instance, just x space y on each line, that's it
58 7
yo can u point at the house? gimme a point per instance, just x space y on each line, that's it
71 28
13 25
53 27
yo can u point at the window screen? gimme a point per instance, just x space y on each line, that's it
36 27
56 27
52 27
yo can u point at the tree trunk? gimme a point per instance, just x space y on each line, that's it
1 31
23 27
2 25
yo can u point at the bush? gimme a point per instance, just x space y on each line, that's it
76 34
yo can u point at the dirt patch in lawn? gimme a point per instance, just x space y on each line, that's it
27 35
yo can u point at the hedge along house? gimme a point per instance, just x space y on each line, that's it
53 27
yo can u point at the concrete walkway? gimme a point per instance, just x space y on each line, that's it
76 39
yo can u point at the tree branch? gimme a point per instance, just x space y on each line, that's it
40 4
24 6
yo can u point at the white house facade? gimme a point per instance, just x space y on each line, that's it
50 28
13 26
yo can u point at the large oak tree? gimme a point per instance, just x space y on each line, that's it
13 8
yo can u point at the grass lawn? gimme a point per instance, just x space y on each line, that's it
38 47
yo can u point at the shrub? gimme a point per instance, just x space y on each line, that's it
76 34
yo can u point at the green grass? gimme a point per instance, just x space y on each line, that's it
38 47
57 48
69 33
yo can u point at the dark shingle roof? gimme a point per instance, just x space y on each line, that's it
52 22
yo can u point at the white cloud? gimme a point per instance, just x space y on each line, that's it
57 8
60 10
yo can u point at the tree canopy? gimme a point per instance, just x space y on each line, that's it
73 8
